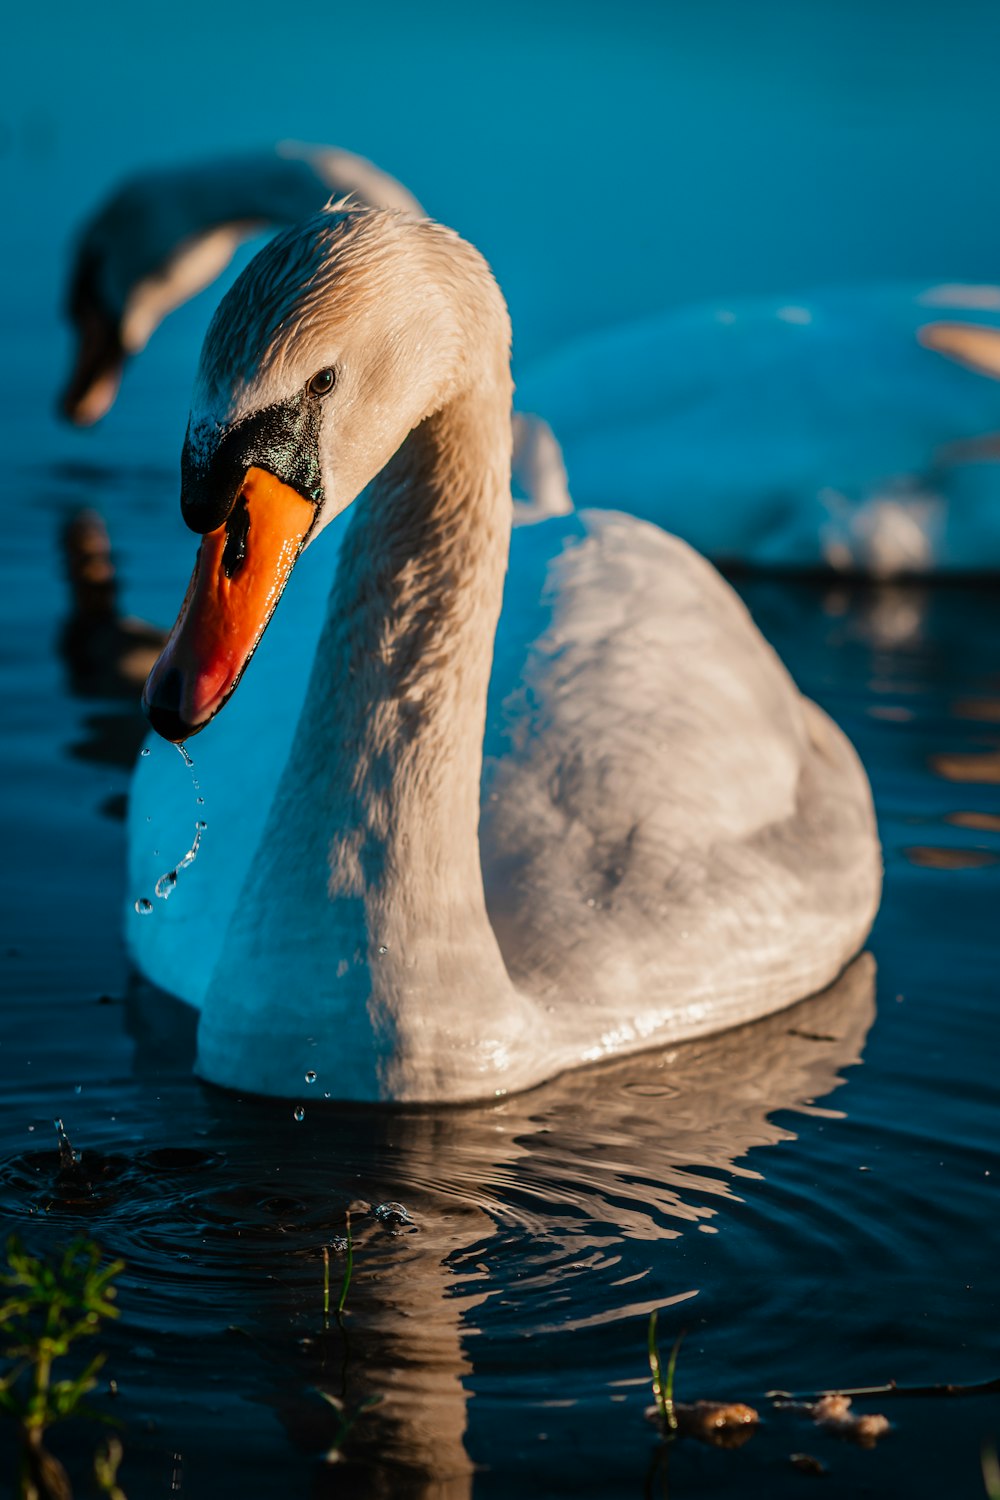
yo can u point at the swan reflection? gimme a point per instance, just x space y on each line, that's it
520 1209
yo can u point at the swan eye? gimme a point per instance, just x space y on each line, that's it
321 383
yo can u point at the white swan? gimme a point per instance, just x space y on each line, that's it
164 235
817 431
663 838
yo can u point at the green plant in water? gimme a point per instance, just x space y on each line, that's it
51 1305
345 1283
347 1422
106 1461
663 1387
348 1268
991 1470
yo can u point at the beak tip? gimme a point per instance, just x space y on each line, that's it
161 702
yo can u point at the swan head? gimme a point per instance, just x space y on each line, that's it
99 356
340 337
126 275
141 255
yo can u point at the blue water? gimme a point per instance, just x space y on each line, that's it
812 1200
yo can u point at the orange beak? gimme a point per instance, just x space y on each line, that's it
238 578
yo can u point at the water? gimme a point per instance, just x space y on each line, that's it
168 881
814 1199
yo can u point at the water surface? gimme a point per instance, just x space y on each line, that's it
812 1199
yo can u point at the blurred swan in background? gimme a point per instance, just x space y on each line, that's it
167 233
825 432
818 431
658 837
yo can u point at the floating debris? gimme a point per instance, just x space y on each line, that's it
832 1413
806 1464
722 1424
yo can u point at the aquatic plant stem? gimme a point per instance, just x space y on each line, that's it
663 1389
326 1285
892 1388
348 1269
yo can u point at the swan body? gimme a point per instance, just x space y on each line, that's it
821 431
481 831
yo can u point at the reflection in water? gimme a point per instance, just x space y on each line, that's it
540 1222
984 822
984 709
970 766
106 655
929 858
639 1150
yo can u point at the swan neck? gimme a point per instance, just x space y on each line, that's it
418 596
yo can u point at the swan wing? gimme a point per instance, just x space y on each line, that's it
671 833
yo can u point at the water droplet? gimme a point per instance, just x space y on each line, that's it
144 750
68 1158
166 883
383 948
393 1215
310 1076
182 751
78 1088
144 906
298 1113
200 801
326 1095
